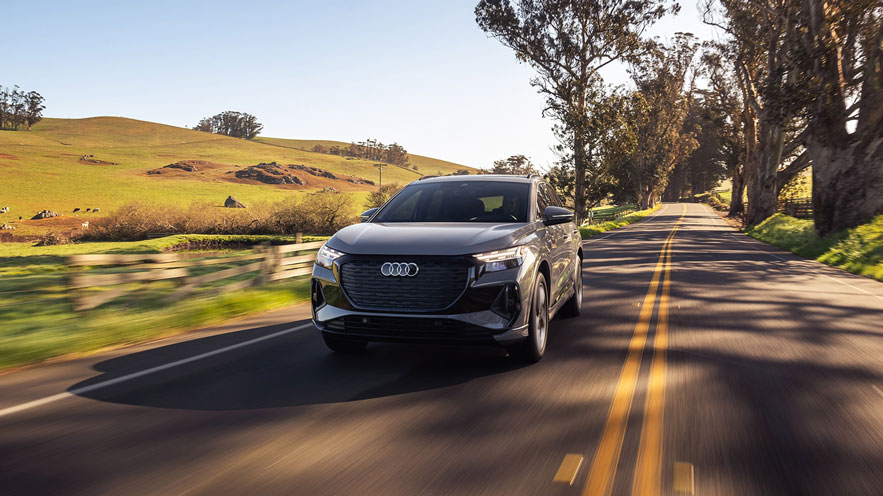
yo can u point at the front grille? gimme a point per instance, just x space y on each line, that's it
436 286
407 328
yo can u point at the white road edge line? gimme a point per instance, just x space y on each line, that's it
85 389
738 238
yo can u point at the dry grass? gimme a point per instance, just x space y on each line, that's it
317 213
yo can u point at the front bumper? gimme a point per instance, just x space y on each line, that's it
476 317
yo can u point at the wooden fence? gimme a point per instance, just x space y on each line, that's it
113 276
800 208
602 217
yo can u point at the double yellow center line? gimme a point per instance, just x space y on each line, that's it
648 471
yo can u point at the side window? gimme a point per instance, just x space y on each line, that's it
543 200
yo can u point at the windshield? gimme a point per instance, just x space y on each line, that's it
456 201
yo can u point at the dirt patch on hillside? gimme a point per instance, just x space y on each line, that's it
7 156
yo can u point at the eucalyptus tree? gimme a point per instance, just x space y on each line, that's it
838 54
761 37
656 115
568 42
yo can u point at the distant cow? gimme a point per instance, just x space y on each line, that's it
85 224
96 210
88 209
76 209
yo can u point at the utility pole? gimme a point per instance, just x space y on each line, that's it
380 167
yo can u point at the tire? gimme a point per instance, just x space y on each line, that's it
532 349
571 307
343 345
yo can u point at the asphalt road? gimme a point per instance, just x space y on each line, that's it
704 363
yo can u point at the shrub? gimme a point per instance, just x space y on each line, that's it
53 238
318 213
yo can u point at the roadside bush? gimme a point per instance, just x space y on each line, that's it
318 213
53 238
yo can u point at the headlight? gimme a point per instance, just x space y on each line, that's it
327 256
502 259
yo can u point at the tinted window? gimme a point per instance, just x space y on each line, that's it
458 201
544 199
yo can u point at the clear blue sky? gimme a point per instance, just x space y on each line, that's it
416 72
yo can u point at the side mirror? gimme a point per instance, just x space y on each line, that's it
557 215
367 214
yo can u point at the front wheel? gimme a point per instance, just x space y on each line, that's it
531 350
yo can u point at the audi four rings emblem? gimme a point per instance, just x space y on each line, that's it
399 269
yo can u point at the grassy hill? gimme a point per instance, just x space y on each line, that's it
425 165
42 168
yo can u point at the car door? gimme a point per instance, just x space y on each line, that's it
559 249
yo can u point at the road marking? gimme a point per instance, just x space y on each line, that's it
159 368
683 483
568 469
751 245
603 469
738 237
648 473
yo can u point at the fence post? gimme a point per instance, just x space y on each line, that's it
299 237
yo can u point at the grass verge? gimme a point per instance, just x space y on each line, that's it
38 322
594 230
858 250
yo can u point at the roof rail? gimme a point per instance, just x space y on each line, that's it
425 177
533 175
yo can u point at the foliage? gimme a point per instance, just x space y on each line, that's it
858 250
369 149
53 238
230 123
568 42
518 165
19 109
317 213
379 196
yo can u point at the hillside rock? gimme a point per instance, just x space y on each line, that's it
314 171
90 159
231 202
184 165
45 214
271 173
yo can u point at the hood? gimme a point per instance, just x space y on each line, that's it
417 238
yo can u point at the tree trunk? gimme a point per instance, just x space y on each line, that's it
847 168
579 170
737 206
847 183
762 194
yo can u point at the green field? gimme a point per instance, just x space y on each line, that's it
41 169
38 321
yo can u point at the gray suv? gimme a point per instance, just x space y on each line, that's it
485 259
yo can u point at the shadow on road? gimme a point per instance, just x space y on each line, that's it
292 370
